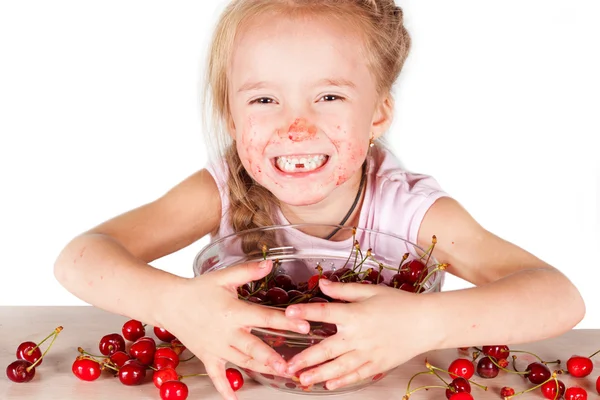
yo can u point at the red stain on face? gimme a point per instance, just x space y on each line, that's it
300 131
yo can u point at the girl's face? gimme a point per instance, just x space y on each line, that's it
303 105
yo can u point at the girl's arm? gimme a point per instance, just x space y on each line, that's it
107 266
518 297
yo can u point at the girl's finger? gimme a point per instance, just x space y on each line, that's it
264 317
341 366
326 350
333 313
237 357
215 368
250 346
363 372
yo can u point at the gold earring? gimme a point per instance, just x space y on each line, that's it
371 143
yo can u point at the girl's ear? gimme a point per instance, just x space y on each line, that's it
231 127
383 116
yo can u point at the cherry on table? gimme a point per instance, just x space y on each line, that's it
575 393
537 373
461 396
167 352
579 366
20 371
29 351
111 343
177 346
143 350
86 369
461 367
506 391
549 389
458 385
164 334
174 390
132 373
119 358
163 375
235 378
499 352
486 368
163 362
133 330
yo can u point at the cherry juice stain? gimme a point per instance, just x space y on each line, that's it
300 130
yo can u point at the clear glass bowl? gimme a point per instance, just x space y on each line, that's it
360 255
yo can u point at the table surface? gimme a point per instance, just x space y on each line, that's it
84 326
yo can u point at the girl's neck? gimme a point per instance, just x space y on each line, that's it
331 210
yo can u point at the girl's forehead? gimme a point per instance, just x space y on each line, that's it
284 47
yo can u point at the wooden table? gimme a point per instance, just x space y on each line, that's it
84 326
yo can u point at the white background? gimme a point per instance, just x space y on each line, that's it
99 113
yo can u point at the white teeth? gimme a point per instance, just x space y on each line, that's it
300 164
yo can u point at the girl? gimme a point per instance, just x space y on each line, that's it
301 90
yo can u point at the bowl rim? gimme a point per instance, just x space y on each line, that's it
439 278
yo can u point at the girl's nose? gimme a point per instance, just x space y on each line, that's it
301 129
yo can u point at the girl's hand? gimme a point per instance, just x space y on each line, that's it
209 319
370 339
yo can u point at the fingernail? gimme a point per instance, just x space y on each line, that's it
291 368
325 282
279 367
263 264
291 311
306 380
303 327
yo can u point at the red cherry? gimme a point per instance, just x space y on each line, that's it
86 369
549 389
168 353
143 350
164 334
174 390
111 343
163 375
30 352
132 373
20 371
486 368
313 282
277 296
506 391
133 330
598 385
579 366
458 385
119 358
461 367
499 352
163 362
408 287
413 271
538 373
235 378
575 393
461 396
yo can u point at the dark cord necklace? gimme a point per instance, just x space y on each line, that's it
360 189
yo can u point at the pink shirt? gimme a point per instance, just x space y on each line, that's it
395 202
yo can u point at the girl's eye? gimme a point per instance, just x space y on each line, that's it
331 97
262 100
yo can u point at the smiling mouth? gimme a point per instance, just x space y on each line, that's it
300 163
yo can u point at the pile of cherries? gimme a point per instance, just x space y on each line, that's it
131 365
489 361
278 289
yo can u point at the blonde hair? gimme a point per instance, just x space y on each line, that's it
387 44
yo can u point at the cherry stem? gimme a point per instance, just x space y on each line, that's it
30 352
507 370
404 257
56 332
351 250
187 359
442 379
535 387
109 366
432 368
414 376
406 396
594 354
530 353
440 267
433 243
82 351
189 376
